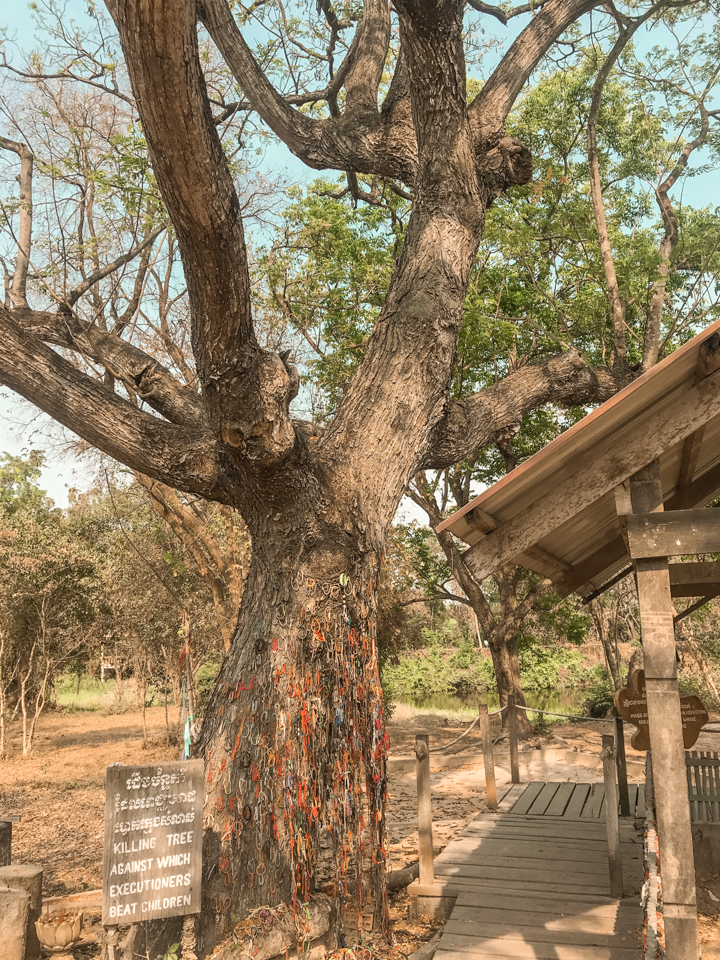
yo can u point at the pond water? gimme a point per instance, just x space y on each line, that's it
560 701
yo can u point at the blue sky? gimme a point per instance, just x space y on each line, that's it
22 427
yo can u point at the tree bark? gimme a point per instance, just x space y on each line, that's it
294 738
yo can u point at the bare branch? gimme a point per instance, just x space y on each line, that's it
492 105
503 14
18 288
370 145
182 458
114 265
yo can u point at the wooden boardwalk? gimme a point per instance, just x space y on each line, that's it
575 801
532 882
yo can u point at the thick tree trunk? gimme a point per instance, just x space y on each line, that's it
504 652
294 738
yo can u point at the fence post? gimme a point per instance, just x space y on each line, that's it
621 768
513 730
488 758
612 821
425 838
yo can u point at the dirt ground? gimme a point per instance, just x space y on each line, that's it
59 792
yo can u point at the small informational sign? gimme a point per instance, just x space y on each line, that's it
152 863
631 703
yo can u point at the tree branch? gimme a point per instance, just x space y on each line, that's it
246 390
496 412
182 458
505 14
141 374
651 346
18 288
97 275
374 143
617 305
491 106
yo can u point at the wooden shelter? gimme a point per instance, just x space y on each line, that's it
622 491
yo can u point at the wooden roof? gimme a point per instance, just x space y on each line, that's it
556 514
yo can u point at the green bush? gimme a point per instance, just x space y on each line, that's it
548 668
205 681
691 686
598 700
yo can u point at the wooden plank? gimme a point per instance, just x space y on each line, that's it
558 804
501 949
563 828
612 816
561 875
521 849
512 792
515 929
620 457
694 579
578 800
689 459
527 799
543 913
594 868
673 534
604 907
480 886
482 920
513 737
543 799
594 803
632 797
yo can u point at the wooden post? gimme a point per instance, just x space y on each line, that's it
612 821
488 758
621 768
672 808
425 838
512 728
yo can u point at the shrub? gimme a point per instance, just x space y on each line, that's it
598 700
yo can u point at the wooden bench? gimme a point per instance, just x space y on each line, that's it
703 780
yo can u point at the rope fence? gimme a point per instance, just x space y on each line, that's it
568 716
547 713
444 746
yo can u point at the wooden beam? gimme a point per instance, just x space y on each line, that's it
542 562
697 589
534 558
707 572
700 492
697 579
623 456
592 567
666 736
689 458
676 534
696 606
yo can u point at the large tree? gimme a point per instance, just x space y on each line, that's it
294 740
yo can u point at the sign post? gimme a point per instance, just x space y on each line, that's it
152 863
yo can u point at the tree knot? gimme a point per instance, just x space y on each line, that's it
504 165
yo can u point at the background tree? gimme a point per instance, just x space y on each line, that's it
49 596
